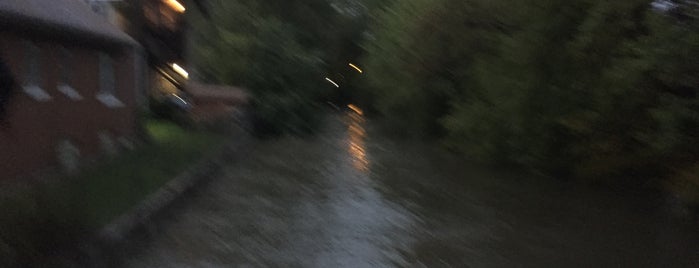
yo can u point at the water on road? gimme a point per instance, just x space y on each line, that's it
352 198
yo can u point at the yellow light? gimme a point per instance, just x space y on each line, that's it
333 82
175 5
355 109
356 68
180 70
356 141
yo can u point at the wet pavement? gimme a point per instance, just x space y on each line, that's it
352 198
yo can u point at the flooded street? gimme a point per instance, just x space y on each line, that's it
352 198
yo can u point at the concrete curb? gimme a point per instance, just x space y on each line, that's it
161 199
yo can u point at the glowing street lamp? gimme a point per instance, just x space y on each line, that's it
356 68
180 70
175 5
355 109
333 82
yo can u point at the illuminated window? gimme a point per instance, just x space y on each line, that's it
168 19
159 15
150 11
175 5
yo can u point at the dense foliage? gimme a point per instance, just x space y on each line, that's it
280 50
584 88
601 90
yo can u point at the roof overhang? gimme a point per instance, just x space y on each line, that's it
67 20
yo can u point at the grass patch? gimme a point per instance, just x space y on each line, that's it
110 189
40 218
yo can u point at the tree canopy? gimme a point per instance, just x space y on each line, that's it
591 89
280 50
585 88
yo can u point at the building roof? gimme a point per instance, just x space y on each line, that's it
73 18
217 93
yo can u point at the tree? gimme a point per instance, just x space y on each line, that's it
279 50
586 88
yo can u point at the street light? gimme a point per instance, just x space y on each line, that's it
356 68
333 82
180 70
175 5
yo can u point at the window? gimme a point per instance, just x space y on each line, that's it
32 73
32 60
65 68
162 17
66 63
107 82
168 18
7 85
150 12
106 74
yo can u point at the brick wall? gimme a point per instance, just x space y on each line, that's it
28 145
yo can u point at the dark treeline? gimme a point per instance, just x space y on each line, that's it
599 90
603 91
281 51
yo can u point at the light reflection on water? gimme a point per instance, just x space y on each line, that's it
312 203
356 141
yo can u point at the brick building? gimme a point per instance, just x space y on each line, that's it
77 84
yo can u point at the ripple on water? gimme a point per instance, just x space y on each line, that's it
352 198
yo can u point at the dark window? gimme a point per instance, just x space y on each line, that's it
107 81
32 58
7 84
66 62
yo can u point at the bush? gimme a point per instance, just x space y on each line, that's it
38 222
595 90
685 186
42 220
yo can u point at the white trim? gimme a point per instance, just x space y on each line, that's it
69 91
36 93
109 100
